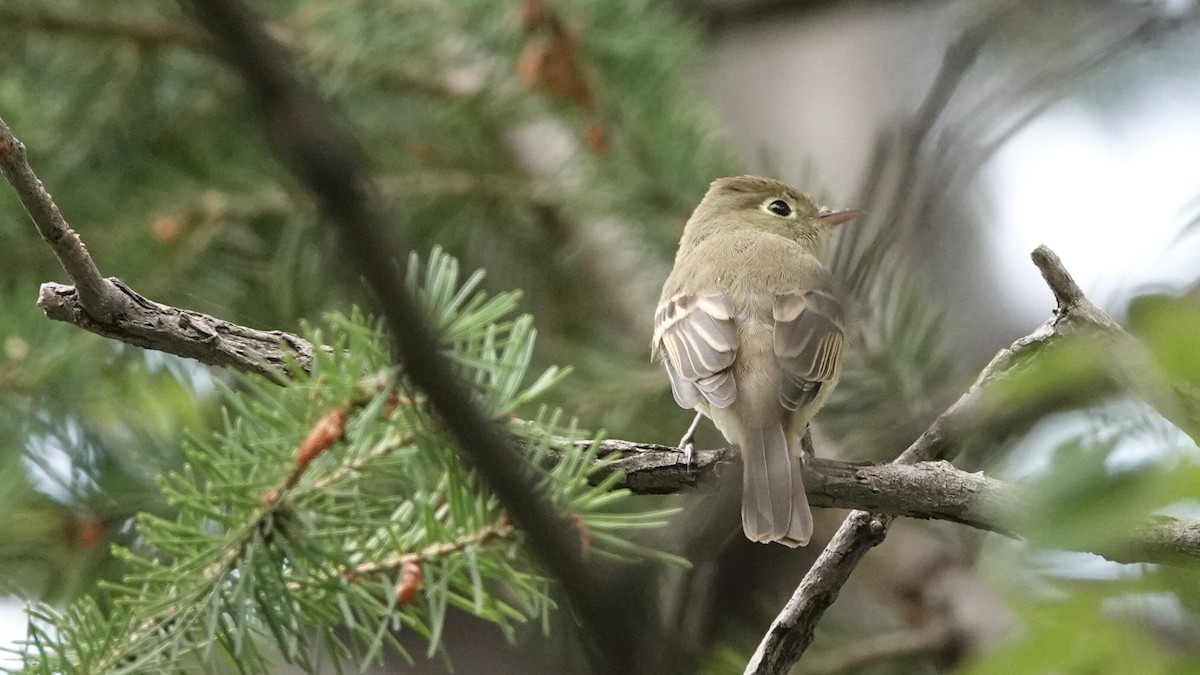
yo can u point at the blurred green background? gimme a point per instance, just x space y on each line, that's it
560 145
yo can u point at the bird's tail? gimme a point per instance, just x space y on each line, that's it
774 505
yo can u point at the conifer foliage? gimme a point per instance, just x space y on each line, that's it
164 516
329 516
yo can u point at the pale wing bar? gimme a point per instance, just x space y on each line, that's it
698 340
808 344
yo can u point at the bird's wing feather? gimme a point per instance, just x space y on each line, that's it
698 341
808 344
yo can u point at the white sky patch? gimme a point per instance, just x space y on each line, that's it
1111 200
54 472
12 628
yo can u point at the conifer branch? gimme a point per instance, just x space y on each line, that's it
176 616
500 530
329 163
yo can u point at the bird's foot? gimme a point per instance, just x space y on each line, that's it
686 444
688 451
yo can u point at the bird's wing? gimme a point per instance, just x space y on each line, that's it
698 341
808 344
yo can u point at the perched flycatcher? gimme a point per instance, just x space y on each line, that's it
751 336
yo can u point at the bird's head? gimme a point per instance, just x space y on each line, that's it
765 204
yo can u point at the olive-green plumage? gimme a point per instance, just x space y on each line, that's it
751 336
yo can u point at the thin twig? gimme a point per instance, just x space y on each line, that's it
386 446
97 295
499 530
142 32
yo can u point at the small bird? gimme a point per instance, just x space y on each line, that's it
751 336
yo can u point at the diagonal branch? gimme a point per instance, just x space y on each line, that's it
792 631
96 294
108 307
330 164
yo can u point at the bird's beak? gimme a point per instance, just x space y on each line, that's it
835 218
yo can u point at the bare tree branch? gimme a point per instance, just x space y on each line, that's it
929 490
96 294
791 632
110 308
209 340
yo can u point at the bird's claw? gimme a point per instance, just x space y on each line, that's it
685 443
688 450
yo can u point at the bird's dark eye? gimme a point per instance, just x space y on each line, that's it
779 208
